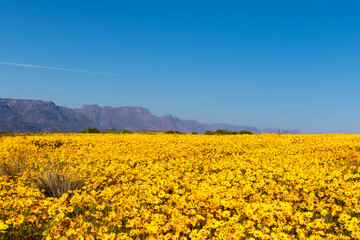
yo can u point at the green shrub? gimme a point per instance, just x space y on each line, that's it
125 131
109 131
173 132
224 132
245 132
91 130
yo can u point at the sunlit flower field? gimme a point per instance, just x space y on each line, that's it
182 186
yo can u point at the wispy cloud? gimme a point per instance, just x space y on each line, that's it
53 68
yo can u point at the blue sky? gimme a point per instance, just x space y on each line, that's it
286 64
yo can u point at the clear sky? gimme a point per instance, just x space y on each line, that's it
286 64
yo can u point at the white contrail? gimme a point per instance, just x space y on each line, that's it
53 68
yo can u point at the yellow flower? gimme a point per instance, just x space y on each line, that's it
32 218
89 237
266 186
70 232
3 226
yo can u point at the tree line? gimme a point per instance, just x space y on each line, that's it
208 132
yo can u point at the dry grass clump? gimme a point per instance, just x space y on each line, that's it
353 166
54 182
11 170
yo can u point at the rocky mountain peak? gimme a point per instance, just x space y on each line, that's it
19 115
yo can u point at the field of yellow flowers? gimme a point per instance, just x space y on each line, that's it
160 186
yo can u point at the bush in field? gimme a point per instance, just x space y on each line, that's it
227 132
245 132
91 130
13 167
55 182
224 132
10 170
220 132
109 131
173 132
125 131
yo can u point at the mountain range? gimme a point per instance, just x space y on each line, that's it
19 115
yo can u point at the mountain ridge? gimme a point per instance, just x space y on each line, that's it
23 115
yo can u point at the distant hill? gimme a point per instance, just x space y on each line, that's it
40 116
137 118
